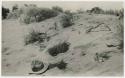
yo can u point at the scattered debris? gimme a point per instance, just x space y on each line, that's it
99 27
101 57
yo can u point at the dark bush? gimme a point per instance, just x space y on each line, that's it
96 10
35 36
45 13
60 48
67 20
62 65
5 12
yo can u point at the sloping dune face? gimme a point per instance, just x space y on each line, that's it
94 53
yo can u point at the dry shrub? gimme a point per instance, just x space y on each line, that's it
62 65
35 14
66 20
35 36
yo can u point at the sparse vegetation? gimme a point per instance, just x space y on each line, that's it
35 36
32 13
60 48
50 46
66 21
98 10
62 65
38 14
119 13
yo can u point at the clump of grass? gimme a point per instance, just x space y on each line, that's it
35 36
67 20
62 65
60 48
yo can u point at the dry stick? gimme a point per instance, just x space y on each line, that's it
99 25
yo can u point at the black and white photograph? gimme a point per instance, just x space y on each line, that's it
62 38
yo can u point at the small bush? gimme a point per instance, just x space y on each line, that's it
45 13
62 65
96 10
66 21
60 48
119 13
35 36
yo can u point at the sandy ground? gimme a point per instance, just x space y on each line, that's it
16 57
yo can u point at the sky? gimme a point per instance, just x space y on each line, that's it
69 5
